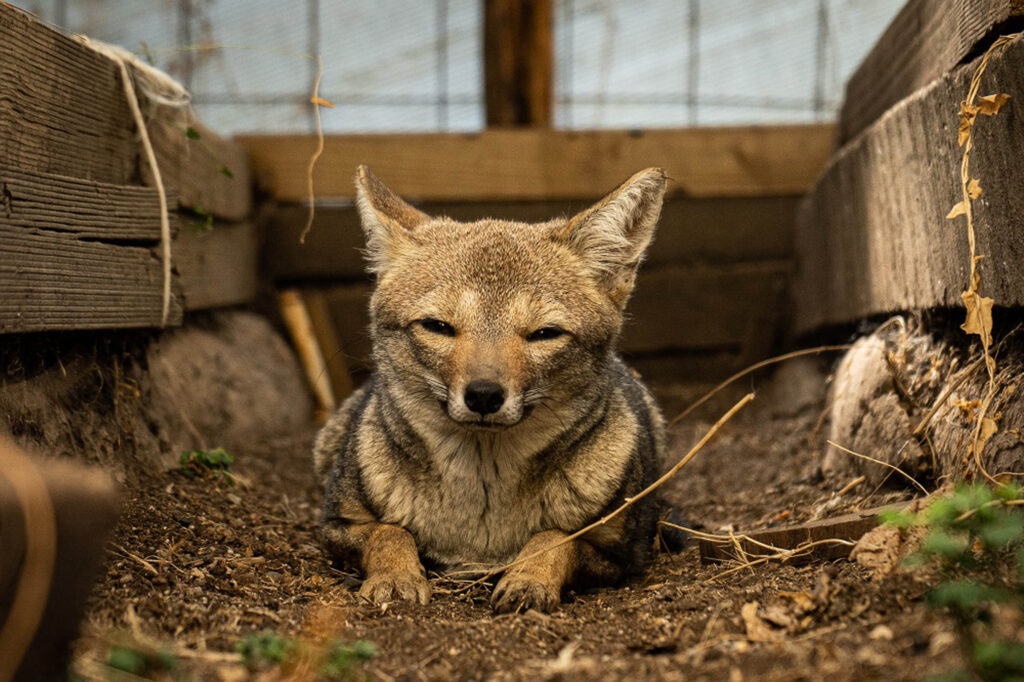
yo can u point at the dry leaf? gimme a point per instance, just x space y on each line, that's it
989 428
979 315
757 629
967 115
991 104
880 550
958 210
321 102
974 188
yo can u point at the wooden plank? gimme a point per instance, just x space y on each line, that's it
62 108
518 62
705 307
924 41
872 238
80 207
85 503
712 230
50 280
850 527
548 164
327 338
216 267
63 111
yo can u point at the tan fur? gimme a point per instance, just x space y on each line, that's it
575 432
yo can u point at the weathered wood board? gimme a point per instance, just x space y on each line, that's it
50 280
532 164
872 237
849 527
217 266
714 230
925 40
63 111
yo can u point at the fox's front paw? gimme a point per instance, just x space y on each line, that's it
519 592
393 586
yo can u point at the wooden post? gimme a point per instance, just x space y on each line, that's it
518 62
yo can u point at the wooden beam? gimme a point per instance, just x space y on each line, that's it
216 264
548 164
63 111
872 237
715 230
518 63
924 41
849 527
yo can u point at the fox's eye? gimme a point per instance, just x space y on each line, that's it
437 326
545 333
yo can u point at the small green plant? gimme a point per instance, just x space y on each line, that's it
226 172
970 534
204 222
138 662
265 649
214 463
191 133
342 658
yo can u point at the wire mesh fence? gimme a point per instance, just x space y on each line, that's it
393 65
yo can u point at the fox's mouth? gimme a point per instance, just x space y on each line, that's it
482 424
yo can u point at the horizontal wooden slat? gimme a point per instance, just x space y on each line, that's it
50 280
716 230
699 308
548 164
63 111
217 267
925 40
872 237
80 207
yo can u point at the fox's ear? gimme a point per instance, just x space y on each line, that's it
613 234
387 220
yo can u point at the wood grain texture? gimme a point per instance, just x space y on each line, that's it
924 41
714 230
63 111
850 527
84 208
548 164
51 280
872 237
216 267
518 62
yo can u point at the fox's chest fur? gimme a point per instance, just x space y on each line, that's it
482 496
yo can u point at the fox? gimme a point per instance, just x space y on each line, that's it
499 418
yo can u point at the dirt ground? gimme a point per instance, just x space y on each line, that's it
195 565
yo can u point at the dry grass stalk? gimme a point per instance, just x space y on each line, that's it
753 368
979 309
895 468
781 555
629 501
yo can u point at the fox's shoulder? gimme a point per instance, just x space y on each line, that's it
331 439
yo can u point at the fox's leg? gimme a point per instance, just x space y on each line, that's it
387 555
537 583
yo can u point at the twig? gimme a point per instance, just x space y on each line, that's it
851 485
901 472
629 501
148 566
753 368
316 101
782 555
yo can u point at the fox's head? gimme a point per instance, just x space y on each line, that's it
487 321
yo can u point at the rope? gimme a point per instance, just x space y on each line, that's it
158 87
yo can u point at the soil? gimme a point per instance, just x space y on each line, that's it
197 564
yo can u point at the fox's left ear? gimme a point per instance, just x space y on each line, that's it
387 220
613 234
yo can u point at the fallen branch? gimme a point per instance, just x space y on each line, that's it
895 468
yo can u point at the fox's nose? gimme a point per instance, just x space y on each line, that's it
484 397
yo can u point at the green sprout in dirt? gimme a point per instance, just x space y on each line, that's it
204 222
970 535
261 650
140 663
342 659
214 463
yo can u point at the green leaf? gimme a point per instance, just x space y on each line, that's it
127 660
1002 530
342 657
964 595
898 518
191 133
265 649
945 544
226 172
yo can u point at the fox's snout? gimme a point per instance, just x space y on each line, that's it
484 397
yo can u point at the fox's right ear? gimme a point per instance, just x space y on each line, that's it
387 220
